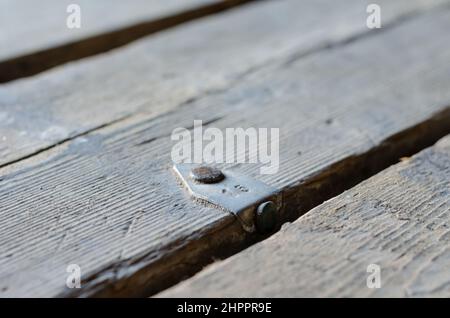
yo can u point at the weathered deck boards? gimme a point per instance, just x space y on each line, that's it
398 220
165 71
34 35
109 202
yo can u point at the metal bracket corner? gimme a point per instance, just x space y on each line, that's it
235 193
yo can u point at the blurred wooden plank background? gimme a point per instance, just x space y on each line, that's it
34 35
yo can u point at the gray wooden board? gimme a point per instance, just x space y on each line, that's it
36 36
109 202
398 220
30 26
162 72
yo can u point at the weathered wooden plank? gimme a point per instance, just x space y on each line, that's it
398 220
34 35
164 71
27 27
109 202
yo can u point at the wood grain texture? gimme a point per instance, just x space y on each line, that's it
398 219
31 26
167 70
34 36
108 200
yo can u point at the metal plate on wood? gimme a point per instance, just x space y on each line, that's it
238 194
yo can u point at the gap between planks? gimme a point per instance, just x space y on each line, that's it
44 59
398 220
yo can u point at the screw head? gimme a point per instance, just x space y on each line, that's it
206 174
266 217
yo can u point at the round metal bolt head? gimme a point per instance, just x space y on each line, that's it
266 217
205 174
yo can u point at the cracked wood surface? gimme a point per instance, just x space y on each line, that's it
34 35
399 220
109 202
162 72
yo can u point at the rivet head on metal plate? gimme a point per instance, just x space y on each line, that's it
266 217
205 174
